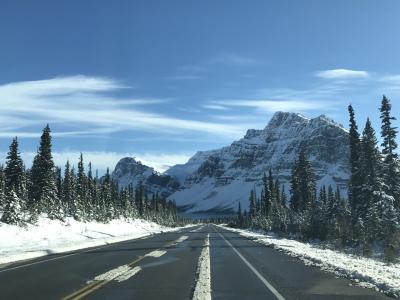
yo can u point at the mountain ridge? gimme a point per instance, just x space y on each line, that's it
216 180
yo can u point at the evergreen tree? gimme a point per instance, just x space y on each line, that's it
43 190
370 173
252 203
239 214
389 145
277 192
68 187
106 198
295 189
322 195
355 168
59 183
303 178
266 199
13 212
15 195
81 191
271 187
139 199
2 188
14 170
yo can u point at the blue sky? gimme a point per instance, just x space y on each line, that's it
160 80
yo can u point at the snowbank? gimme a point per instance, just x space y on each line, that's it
52 236
364 271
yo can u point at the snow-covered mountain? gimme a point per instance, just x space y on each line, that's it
216 180
130 171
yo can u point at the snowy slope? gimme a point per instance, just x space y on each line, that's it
52 236
218 179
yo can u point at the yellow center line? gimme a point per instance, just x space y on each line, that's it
95 285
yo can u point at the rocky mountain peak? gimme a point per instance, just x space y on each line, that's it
286 119
129 166
130 171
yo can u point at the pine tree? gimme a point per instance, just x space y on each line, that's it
370 162
68 189
295 189
355 168
271 187
322 195
239 215
43 190
266 199
303 183
2 188
139 199
59 183
13 213
14 170
277 192
81 191
252 203
389 145
330 204
106 198
15 195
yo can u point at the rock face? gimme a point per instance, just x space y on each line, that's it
129 171
217 180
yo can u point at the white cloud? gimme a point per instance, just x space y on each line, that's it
214 107
392 79
342 74
102 160
278 105
85 103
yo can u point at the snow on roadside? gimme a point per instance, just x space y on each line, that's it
53 236
202 289
365 272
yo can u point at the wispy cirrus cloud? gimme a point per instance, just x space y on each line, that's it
277 105
391 79
342 74
215 106
226 59
85 104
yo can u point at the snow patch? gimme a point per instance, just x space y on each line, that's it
202 289
156 253
365 272
180 240
128 274
119 274
112 274
53 236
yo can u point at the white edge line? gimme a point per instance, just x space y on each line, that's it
266 283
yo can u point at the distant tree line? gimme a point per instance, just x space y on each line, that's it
368 218
47 190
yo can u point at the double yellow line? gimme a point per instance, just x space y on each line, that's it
95 285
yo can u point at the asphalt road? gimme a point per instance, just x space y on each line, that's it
164 267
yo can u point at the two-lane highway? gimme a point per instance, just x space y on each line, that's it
165 266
